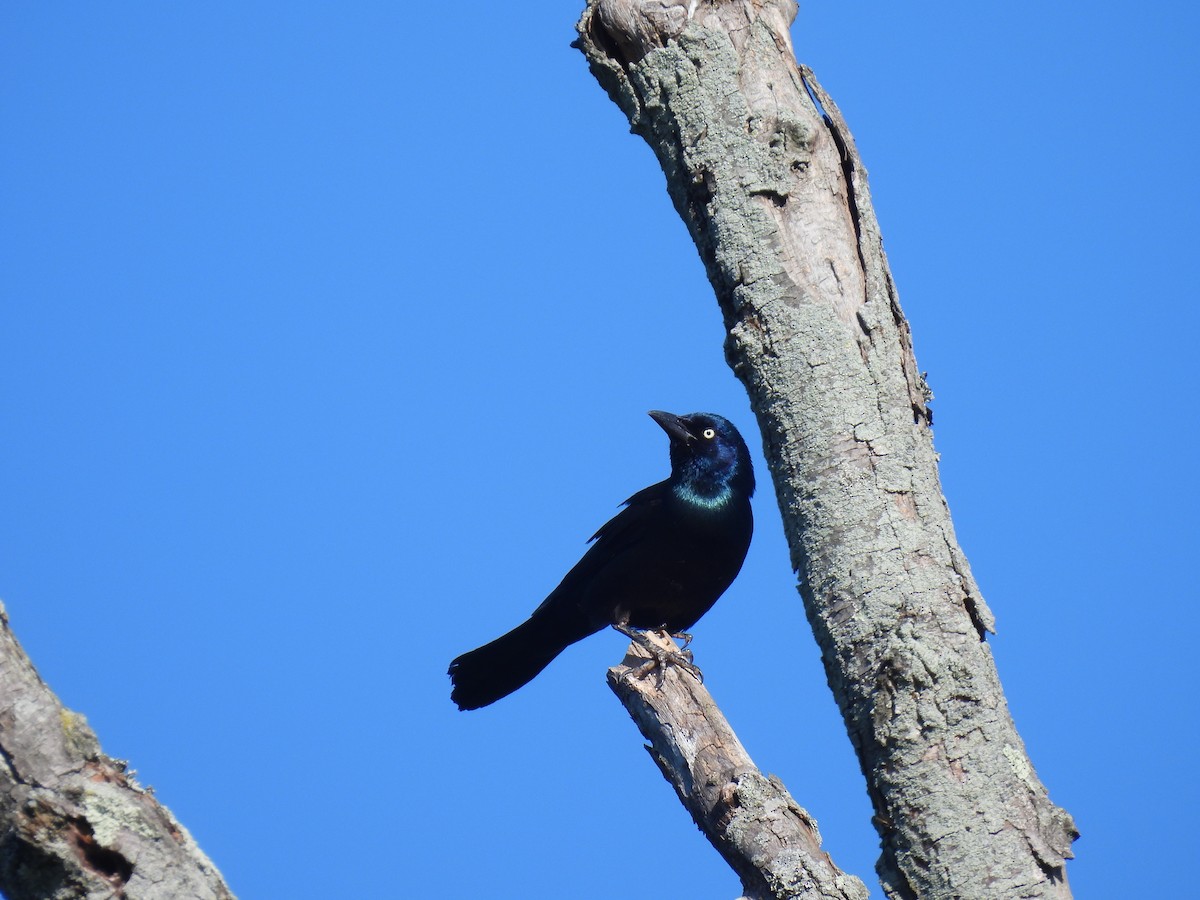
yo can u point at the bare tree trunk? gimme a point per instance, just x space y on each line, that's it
73 822
764 172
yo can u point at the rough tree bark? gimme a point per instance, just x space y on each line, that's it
764 172
73 822
750 818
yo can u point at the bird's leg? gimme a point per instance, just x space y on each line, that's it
658 656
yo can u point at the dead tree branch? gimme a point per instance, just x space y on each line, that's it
750 818
73 822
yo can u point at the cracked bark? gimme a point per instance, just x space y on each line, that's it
750 818
73 822
765 174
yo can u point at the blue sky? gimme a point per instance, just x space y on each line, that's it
327 338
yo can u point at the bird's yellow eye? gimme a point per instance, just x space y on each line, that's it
709 434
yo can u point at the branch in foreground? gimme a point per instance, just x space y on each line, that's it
749 817
73 822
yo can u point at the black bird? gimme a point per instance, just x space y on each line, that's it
660 563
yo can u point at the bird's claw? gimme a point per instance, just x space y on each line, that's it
686 638
660 657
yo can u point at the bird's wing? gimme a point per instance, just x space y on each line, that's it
627 525
616 537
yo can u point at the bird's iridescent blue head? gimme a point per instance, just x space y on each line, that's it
709 460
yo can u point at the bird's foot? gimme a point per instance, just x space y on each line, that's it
659 656
686 638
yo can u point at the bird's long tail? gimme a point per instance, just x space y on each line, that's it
511 661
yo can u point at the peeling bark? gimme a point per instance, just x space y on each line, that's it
764 172
73 822
750 818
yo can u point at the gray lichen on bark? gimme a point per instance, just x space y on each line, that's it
73 822
764 172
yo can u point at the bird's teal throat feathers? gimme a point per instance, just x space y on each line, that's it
709 496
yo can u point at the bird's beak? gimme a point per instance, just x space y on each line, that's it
672 425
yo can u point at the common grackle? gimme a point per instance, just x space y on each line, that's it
660 563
